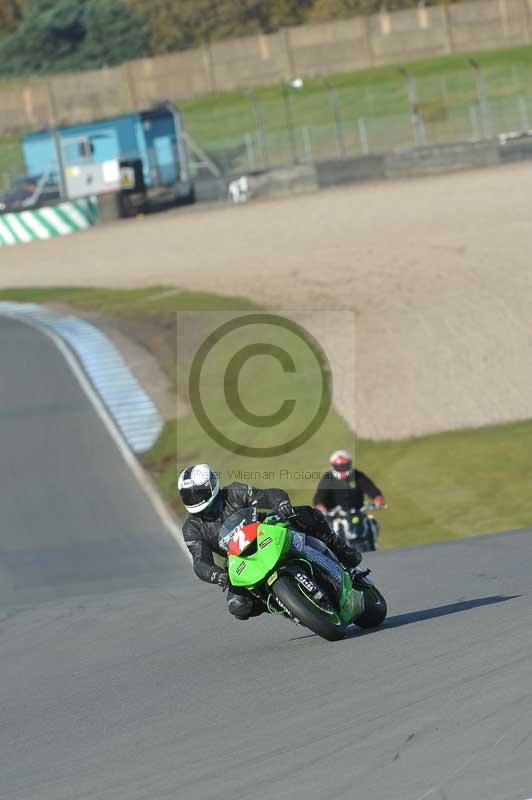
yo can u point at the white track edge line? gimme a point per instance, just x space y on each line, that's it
143 479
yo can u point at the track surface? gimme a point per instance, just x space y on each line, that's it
154 692
73 520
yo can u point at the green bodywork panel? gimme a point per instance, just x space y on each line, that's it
351 600
272 542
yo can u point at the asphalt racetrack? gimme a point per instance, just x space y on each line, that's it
124 678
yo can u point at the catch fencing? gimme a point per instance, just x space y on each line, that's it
314 123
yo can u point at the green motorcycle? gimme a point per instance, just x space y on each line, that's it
297 576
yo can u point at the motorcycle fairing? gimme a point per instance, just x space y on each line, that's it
272 542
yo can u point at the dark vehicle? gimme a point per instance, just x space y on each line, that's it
359 528
30 192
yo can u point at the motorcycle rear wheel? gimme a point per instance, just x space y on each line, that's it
291 595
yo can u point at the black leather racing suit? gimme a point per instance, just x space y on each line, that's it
348 494
200 533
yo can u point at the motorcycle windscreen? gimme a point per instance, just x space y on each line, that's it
235 524
242 539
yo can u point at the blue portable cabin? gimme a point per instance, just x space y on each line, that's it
154 136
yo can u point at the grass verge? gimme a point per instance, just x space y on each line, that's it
444 486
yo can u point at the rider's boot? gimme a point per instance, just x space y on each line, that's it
357 575
349 556
314 522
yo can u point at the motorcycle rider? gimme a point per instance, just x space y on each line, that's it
345 486
209 506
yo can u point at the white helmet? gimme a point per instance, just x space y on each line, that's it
198 485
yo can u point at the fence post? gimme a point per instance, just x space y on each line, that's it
259 122
250 151
483 98
363 133
417 119
307 141
473 116
337 114
444 90
523 111
289 121
516 83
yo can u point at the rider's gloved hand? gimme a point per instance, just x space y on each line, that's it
284 509
379 501
220 577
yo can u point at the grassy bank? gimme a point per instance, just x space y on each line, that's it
438 487
379 90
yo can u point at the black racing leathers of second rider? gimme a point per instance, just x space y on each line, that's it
201 531
348 493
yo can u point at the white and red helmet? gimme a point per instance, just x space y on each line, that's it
341 464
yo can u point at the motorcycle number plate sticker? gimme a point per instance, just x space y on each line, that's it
272 579
265 542
298 542
305 582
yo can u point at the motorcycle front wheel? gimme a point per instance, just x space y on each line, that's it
375 608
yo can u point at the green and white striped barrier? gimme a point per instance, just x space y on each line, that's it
44 223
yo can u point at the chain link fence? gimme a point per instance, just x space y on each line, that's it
316 121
